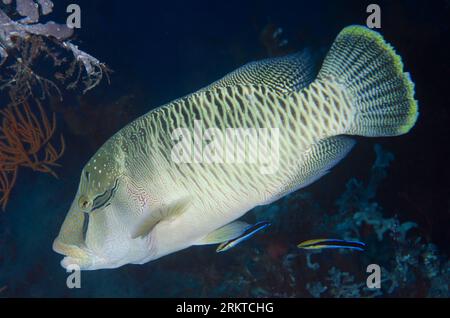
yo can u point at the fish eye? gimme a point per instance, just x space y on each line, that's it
104 198
84 203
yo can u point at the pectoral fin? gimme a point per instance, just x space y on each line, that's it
164 213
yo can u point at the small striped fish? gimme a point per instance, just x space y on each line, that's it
318 244
137 202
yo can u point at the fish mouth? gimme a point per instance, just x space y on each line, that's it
75 256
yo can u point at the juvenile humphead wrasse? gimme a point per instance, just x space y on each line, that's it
170 179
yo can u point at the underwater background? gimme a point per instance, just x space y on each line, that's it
391 193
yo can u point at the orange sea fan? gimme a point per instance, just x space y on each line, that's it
7 180
25 142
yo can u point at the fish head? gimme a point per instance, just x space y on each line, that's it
95 232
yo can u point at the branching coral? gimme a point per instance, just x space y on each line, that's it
36 61
24 42
25 142
94 69
7 181
18 76
410 266
406 258
70 68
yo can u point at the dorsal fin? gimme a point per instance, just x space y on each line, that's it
284 74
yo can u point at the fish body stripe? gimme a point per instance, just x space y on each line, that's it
302 118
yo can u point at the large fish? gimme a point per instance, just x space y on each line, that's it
136 202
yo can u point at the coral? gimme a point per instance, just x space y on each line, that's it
28 25
25 137
316 289
25 142
24 43
94 69
342 284
407 259
409 267
37 61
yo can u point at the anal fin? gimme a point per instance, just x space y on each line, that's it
225 233
232 234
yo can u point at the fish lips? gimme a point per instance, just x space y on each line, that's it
75 256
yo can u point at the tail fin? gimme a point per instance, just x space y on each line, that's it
372 75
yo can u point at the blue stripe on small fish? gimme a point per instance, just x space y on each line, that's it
331 244
248 232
